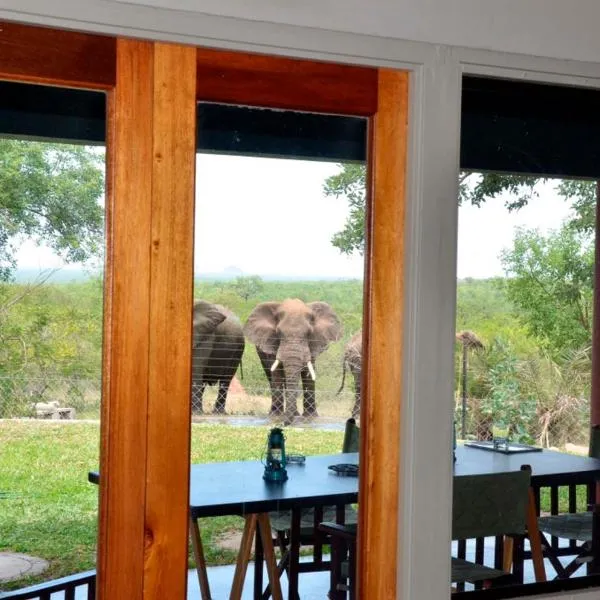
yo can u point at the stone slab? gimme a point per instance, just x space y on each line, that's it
15 566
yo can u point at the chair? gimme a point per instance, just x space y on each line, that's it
483 505
343 560
575 527
310 534
500 504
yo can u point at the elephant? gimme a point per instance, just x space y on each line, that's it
353 361
217 347
288 336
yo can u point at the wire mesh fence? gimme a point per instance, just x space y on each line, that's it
564 426
263 383
53 398
248 389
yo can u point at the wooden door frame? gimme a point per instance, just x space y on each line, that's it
135 529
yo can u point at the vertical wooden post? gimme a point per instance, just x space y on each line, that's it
384 297
144 470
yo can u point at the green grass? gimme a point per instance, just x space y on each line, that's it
48 509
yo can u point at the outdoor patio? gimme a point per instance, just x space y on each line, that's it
313 586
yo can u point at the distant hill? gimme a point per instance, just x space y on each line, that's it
68 275
229 276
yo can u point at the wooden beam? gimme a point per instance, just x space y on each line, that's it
144 485
285 83
56 57
171 295
126 332
383 340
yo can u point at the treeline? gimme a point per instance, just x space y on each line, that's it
51 348
536 383
244 293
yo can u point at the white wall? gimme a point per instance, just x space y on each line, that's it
550 28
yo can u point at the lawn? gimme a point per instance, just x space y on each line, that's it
48 508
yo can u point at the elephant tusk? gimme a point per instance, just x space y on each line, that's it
274 365
311 370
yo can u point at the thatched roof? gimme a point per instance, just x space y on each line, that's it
469 339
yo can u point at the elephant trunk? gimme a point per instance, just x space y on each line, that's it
294 358
292 389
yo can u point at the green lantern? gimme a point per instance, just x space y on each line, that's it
275 459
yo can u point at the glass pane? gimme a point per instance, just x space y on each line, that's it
278 292
51 301
523 342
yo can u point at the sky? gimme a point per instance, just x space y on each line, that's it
269 217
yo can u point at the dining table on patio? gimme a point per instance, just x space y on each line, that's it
238 488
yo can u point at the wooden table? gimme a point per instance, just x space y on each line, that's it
237 488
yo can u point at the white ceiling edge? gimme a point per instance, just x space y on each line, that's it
297 38
551 28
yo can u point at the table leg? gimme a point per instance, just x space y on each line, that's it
199 558
266 535
294 554
507 553
241 565
258 567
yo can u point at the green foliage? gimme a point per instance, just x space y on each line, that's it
582 195
550 282
561 390
248 286
477 188
52 336
50 193
474 188
483 305
505 402
350 183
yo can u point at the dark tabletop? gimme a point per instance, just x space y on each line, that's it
547 467
237 488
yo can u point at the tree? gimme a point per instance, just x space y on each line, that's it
51 193
550 280
248 286
582 195
475 188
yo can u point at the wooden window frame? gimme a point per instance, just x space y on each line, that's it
142 549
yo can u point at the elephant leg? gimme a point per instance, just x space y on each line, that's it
276 384
219 408
309 397
197 394
356 407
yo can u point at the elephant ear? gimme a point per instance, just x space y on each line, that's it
207 317
326 327
261 327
